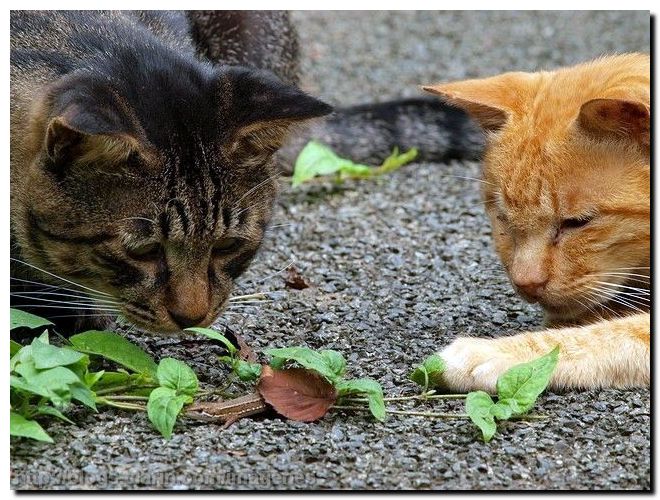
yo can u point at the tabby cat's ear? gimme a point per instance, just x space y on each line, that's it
262 110
616 118
79 138
490 101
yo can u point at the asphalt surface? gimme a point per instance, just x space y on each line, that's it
400 267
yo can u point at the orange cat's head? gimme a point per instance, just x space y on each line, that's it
567 181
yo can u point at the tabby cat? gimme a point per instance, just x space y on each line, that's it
140 174
566 185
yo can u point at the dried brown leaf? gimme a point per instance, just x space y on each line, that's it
297 393
293 279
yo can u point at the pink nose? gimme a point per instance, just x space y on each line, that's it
533 289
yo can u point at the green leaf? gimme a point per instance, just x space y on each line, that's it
429 372
247 371
22 427
501 411
109 380
163 407
316 159
18 319
92 378
177 375
53 412
278 363
81 392
212 334
14 347
525 382
377 406
335 361
53 383
50 356
370 388
396 160
115 348
306 357
478 406
420 376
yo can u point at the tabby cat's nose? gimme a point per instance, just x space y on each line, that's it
184 321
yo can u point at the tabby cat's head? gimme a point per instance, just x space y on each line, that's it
156 191
567 181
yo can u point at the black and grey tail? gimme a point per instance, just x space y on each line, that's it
368 133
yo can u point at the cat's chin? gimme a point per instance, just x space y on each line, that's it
562 315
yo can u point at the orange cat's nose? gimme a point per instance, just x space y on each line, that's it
531 289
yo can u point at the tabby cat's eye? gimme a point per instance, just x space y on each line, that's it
225 245
150 251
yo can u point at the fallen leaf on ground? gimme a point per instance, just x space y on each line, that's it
297 393
293 279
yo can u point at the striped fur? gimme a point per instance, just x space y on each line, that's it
141 175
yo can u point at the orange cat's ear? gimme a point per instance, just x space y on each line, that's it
490 101
489 116
616 118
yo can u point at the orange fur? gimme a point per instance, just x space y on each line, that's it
567 190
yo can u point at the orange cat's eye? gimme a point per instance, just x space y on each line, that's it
150 251
225 245
575 223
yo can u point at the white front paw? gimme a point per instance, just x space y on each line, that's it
474 364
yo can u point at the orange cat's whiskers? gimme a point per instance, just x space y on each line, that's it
482 202
617 298
638 291
586 306
470 179
596 300
641 278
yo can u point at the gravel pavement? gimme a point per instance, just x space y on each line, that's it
400 266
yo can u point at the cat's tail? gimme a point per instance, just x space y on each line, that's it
368 133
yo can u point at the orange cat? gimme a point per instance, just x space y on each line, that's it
567 190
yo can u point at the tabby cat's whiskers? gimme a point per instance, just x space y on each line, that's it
58 277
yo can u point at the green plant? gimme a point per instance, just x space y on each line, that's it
517 391
46 379
299 383
316 159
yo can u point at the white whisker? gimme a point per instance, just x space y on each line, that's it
56 276
66 307
35 295
252 190
642 291
57 287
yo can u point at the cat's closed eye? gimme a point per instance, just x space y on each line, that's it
226 245
573 223
149 251
576 222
